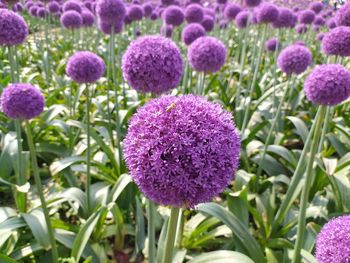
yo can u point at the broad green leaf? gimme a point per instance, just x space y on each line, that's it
301 127
222 256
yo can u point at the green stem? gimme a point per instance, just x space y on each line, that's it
243 55
39 188
151 232
14 76
88 150
324 129
171 234
21 177
307 186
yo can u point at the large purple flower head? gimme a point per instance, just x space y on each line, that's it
13 28
285 18
85 67
294 59
333 241
72 5
88 18
328 84
135 12
166 30
337 42
242 19
53 7
182 151
191 32
331 23
154 16
147 9
194 13
267 13
22 101
111 11
152 64
316 7
252 3
173 15
231 11
207 54
208 23
306 16
272 44
342 17
106 28
71 19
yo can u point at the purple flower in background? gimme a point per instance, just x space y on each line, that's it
106 28
328 84
166 30
294 59
285 18
208 23
337 42
33 10
252 3
194 13
242 19
152 64
88 18
147 9
316 7
272 44
331 23
333 241
111 11
306 17
300 43
53 7
85 67
207 54
231 11
221 2
301 29
71 19
167 2
267 13
135 12
13 28
320 36
191 32
72 5
342 17
319 21
22 101
173 15
42 12
182 151
154 16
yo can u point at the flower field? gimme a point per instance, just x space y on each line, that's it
169 131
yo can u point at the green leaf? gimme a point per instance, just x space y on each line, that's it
222 256
118 188
4 258
62 164
301 127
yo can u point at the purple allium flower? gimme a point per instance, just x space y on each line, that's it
208 23
316 28
316 7
111 11
319 20
331 23
22 101
320 36
71 19
167 2
28 5
285 18
72 5
300 43
342 17
173 15
89 5
19 7
194 13
267 13
85 67
42 12
294 59
182 151
252 3
152 64
242 19
33 10
306 17
272 44
207 54
166 30
301 29
106 28
88 18
147 9
333 241
191 32
337 42
154 16
53 7
13 28
231 11
135 12
328 84
221 2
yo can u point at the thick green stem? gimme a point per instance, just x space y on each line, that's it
243 55
324 129
151 232
307 185
40 193
88 150
171 235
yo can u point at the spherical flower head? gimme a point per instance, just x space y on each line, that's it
135 12
306 16
319 20
221 2
328 84
333 241
88 18
320 36
267 13
337 42
166 30
316 7
194 13
207 54
89 5
33 10
71 19
85 67
301 29
272 44
53 7
167 2
111 11
242 19
147 9
72 5
342 17
22 101
191 32
42 12
106 28
152 64
285 18
154 16
208 23
13 28
173 15
294 59
252 3
231 11
331 23
182 151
